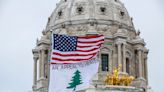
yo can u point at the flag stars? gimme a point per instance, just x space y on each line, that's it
65 43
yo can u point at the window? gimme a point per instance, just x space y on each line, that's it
127 65
136 64
45 70
136 69
144 68
104 60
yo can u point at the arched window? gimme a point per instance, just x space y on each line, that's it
104 62
46 52
136 70
136 64
144 71
127 65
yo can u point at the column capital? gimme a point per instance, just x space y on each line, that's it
120 41
35 51
140 49
146 57
42 49
146 51
35 58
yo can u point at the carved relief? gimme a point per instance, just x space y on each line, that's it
57 31
104 29
121 13
77 30
131 35
129 54
102 8
129 47
60 13
80 8
105 50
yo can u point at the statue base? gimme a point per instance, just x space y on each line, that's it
110 88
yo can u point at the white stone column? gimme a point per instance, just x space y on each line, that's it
140 63
119 53
35 71
111 61
143 68
124 59
100 67
146 71
42 63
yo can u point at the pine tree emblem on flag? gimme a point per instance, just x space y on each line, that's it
76 80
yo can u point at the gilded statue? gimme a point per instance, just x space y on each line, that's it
116 79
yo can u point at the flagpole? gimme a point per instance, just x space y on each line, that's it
49 62
49 65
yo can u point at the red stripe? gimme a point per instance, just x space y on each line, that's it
58 63
65 60
90 41
84 46
88 46
89 37
75 60
53 58
55 53
88 50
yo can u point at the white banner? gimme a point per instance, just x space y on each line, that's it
72 77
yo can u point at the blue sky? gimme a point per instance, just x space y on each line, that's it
22 21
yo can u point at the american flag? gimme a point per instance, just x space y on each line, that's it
73 49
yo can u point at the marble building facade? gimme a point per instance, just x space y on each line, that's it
123 44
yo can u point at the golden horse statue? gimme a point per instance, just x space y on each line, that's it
116 79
